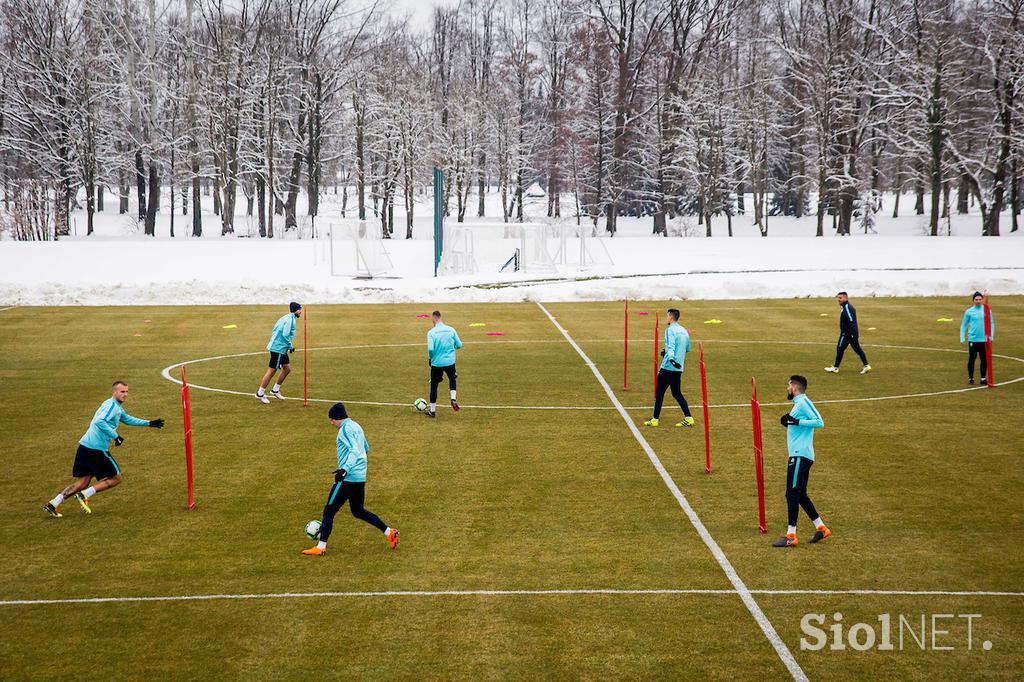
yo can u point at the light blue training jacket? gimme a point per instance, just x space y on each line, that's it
352 449
283 334
442 342
677 345
974 324
103 427
800 437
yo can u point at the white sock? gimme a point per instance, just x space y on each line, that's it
89 492
818 523
57 500
261 391
433 407
453 394
791 530
387 530
277 388
321 545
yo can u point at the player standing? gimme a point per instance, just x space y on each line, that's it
93 458
972 328
800 423
849 335
442 342
281 338
670 374
349 482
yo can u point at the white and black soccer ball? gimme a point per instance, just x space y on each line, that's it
313 530
420 404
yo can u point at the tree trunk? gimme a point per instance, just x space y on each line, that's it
154 202
122 189
140 184
99 197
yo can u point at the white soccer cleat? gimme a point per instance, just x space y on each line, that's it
277 394
833 370
867 368
263 399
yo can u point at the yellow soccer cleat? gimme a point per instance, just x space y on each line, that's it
687 421
315 551
52 511
84 501
653 421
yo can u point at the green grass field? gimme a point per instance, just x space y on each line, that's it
923 495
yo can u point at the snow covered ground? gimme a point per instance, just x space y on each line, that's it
120 266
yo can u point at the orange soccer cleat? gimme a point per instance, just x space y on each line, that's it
392 536
315 551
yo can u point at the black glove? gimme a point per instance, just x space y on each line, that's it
675 364
291 350
118 441
156 423
339 475
662 352
789 420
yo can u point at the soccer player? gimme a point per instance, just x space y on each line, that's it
349 482
93 458
442 342
281 338
848 335
973 326
800 423
670 374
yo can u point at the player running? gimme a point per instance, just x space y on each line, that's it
800 423
281 338
973 327
849 335
93 458
670 375
442 342
349 482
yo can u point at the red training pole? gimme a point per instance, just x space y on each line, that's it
988 343
704 398
186 408
625 348
755 411
656 363
305 357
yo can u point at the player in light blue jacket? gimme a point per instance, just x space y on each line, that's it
93 459
670 375
442 342
349 482
282 342
800 423
972 329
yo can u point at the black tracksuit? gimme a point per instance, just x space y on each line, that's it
848 334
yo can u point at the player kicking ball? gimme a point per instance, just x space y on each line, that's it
93 459
800 423
281 338
349 482
442 342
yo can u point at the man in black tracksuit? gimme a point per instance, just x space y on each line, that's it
848 334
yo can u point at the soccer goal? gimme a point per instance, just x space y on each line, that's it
357 249
459 256
534 252
573 246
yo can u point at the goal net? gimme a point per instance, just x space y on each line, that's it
357 250
458 256
574 245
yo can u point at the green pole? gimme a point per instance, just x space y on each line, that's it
438 217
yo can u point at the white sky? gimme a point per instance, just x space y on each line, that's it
422 10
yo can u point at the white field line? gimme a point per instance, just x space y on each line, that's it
501 593
166 373
785 655
10 307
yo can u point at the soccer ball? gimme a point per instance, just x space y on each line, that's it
313 529
420 404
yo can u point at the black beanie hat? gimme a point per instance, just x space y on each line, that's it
338 411
294 307
976 294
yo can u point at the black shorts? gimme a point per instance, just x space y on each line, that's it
96 463
278 360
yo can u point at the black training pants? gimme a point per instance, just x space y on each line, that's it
438 373
354 494
852 341
797 472
976 348
666 380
